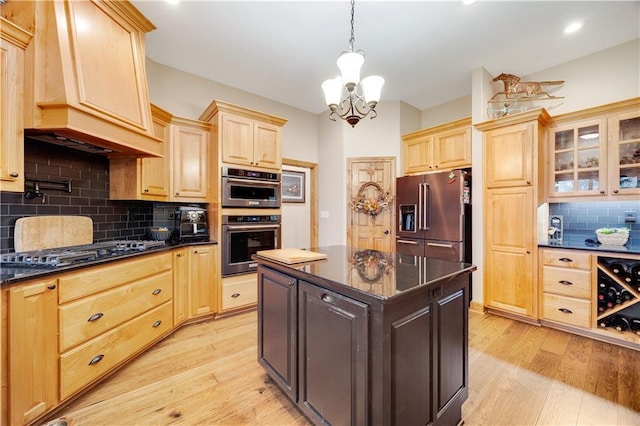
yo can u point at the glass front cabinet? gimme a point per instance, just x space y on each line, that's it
595 152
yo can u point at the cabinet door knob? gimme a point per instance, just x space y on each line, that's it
291 282
528 182
177 193
14 174
96 316
146 190
601 192
615 191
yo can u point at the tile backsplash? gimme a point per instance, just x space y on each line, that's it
582 219
89 175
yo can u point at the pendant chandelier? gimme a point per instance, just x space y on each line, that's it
360 97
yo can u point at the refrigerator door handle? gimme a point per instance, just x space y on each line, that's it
420 193
426 206
415 243
440 245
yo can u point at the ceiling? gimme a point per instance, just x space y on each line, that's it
425 50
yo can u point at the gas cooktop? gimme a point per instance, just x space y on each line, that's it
64 256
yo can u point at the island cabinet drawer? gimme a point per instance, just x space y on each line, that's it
90 361
239 293
99 278
568 282
88 317
567 310
567 259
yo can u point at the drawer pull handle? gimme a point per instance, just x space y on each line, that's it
96 359
565 282
14 174
156 324
565 259
326 298
51 286
291 282
565 310
96 317
156 292
234 295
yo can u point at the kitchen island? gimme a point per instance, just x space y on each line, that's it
366 337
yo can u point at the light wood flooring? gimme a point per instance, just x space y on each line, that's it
207 374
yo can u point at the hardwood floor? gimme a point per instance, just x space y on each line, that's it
207 374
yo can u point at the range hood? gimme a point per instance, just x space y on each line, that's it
86 81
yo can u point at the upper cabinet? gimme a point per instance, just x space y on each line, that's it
85 75
244 137
443 147
190 160
144 178
13 42
595 152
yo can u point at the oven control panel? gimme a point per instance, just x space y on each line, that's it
251 219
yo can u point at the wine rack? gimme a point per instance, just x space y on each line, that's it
618 303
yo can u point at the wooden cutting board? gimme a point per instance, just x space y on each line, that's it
291 255
44 232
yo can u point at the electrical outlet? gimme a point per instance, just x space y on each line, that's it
172 215
630 216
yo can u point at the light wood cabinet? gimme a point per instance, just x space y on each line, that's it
513 173
237 292
190 160
33 360
595 153
180 285
443 147
86 77
13 42
566 287
109 313
202 280
245 137
144 178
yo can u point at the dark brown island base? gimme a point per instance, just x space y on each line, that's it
365 337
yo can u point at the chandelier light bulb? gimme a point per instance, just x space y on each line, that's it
350 64
332 89
372 87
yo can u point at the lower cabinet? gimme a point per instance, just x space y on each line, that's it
33 359
347 361
201 290
237 292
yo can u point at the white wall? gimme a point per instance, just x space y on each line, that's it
187 95
297 217
444 113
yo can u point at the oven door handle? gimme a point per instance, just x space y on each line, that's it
250 227
256 182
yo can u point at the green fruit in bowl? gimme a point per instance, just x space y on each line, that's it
608 231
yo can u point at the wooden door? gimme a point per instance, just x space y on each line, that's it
180 283
509 245
237 140
202 284
190 149
452 149
155 171
370 180
508 157
418 154
267 146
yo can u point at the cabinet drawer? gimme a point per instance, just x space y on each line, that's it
94 280
569 282
88 317
567 259
574 311
237 294
92 360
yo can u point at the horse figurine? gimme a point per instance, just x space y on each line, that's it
515 89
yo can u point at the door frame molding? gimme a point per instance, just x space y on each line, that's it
313 198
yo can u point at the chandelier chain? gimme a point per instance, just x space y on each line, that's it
352 39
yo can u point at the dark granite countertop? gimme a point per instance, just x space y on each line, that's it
12 275
373 273
629 248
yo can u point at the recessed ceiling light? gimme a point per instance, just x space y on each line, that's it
468 1
573 27
172 1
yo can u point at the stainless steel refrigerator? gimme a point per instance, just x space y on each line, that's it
434 215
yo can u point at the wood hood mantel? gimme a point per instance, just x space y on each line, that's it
85 76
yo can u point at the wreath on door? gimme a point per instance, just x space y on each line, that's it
371 206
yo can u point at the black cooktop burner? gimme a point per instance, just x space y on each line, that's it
64 256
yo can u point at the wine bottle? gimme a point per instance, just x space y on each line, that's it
621 271
634 325
606 321
625 295
612 293
635 273
620 322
